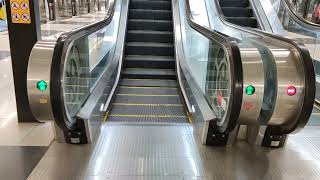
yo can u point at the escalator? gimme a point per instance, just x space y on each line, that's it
298 26
148 90
276 46
239 12
131 69
158 62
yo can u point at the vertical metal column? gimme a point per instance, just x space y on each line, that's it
24 32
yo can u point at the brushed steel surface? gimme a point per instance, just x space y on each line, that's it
290 72
165 152
39 68
253 74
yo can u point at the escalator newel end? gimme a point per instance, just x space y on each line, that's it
77 137
272 139
215 138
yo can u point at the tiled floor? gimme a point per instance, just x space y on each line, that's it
151 152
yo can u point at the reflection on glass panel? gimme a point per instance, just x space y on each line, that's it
308 37
86 61
64 8
83 6
207 63
308 9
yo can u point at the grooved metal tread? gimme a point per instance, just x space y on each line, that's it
150 20
150 4
146 119
148 82
149 71
149 44
148 90
132 99
148 58
150 32
152 10
149 49
145 111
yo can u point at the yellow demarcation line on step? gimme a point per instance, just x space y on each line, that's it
137 104
189 117
145 116
106 115
148 95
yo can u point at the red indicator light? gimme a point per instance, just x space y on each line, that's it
291 90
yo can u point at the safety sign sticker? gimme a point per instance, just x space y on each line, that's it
20 11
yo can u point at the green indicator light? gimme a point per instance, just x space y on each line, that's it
42 85
250 90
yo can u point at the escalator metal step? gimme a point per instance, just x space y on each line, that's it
140 73
144 48
153 99
150 14
144 61
234 3
148 82
237 12
148 90
157 110
244 21
147 24
145 4
148 119
150 36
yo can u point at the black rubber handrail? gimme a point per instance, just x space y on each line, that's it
58 64
304 54
236 73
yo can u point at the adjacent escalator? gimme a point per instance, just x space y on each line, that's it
148 90
239 12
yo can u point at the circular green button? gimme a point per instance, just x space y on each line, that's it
42 85
250 90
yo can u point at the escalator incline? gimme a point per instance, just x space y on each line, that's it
148 89
239 12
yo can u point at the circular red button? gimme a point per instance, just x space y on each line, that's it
291 90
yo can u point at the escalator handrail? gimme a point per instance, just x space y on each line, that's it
60 51
234 59
304 54
300 20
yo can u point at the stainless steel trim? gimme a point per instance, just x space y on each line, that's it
270 16
119 49
87 109
283 49
253 74
257 15
178 53
39 68
215 36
